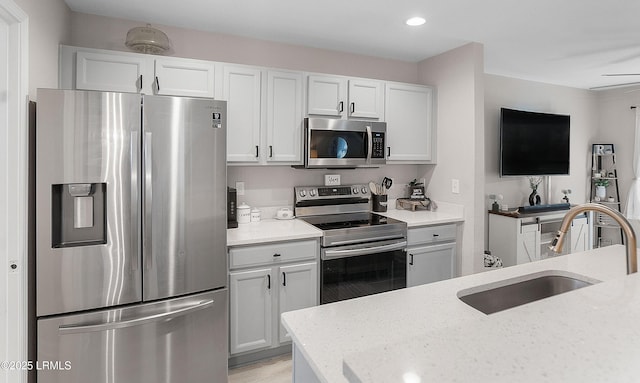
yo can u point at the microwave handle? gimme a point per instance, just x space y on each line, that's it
369 143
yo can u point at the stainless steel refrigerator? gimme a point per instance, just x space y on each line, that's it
130 238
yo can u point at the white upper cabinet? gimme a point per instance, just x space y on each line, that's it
365 99
327 95
184 77
136 73
409 113
284 117
113 72
242 91
343 97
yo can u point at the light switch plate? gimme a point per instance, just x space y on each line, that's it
331 179
240 188
455 186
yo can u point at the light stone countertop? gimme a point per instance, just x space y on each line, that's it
271 230
426 334
446 213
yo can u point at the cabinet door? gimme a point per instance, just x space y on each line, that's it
242 89
183 77
579 235
528 244
298 290
409 117
113 72
428 264
250 312
327 96
365 99
284 117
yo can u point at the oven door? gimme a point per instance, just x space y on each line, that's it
344 143
364 269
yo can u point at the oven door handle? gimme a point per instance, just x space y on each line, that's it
336 254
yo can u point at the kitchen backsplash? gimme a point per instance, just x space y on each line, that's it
269 188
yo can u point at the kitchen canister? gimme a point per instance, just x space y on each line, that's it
244 213
255 215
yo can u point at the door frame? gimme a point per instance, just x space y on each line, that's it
14 193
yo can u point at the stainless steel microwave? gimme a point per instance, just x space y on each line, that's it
331 143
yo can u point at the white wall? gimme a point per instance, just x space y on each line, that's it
583 107
458 77
273 186
49 26
109 33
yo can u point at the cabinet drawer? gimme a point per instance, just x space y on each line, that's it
431 234
280 252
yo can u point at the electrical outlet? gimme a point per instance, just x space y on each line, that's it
240 188
331 179
455 186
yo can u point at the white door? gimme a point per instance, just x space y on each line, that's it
284 117
114 72
242 87
250 315
428 264
183 77
327 96
365 99
409 117
528 244
298 289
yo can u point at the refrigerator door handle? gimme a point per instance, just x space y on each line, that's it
135 232
77 329
148 200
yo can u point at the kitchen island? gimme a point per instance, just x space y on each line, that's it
426 334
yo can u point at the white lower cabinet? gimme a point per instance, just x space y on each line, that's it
264 282
526 238
431 254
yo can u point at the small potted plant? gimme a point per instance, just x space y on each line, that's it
601 188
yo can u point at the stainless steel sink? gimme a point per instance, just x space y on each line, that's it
518 291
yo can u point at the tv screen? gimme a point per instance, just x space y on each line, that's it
533 144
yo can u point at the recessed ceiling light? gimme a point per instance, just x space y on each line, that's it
416 21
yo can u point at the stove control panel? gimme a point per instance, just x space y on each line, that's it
331 192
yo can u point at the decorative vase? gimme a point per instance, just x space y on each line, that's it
601 191
534 198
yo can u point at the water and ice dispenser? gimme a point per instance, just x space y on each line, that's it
79 214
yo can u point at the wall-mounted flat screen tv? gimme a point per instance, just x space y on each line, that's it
533 144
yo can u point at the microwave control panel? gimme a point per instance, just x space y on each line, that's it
378 145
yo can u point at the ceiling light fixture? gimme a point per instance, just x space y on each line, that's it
416 21
147 40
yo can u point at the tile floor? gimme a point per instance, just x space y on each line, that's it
275 370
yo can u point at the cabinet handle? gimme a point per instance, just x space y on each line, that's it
270 151
284 279
157 84
140 82
341 106
353 107
411 259
436 235
388 151
268 281
257 151
277 255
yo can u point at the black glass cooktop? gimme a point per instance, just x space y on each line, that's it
348 220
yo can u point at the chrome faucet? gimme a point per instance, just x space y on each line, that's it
632 258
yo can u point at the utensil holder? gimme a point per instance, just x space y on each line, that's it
379 202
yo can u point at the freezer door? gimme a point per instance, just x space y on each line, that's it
180 340
87 225
184 196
